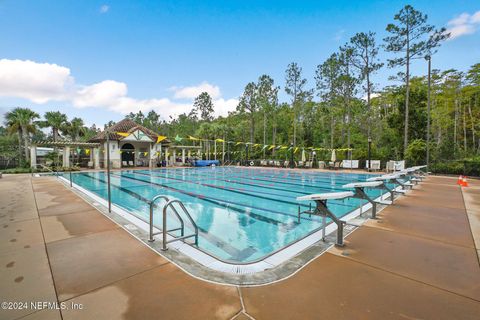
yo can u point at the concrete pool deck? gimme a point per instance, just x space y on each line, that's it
418 260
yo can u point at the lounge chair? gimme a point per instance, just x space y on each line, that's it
321 164
399 165
337 165
375 165
350 164
130 163
390 166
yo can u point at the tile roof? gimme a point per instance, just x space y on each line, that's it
126 125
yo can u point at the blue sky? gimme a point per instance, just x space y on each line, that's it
102 59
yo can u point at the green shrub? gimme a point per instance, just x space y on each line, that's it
17 170
466 167
416 152
40 170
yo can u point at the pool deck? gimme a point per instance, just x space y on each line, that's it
419 260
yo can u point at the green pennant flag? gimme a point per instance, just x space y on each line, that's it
178 139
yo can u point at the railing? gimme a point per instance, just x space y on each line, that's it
34 167
164 231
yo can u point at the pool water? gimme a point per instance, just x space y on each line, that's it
243 214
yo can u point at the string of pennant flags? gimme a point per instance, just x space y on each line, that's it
237 143
262 147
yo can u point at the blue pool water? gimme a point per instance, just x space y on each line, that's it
243 214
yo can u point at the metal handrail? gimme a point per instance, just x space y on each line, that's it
44 167
152 204
164 228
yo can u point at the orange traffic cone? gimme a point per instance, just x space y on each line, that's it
464 182
460 180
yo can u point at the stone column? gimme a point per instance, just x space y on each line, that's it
166 157
160 152
115 158
96 158
152 156
174 157
66 157
33 156
183 155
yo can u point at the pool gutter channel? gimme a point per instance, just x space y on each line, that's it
277 266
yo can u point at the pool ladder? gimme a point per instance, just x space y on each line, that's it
169 204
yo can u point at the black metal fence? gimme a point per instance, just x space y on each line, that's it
7 163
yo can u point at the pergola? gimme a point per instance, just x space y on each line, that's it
66 145
185 150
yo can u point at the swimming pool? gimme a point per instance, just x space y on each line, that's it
243 214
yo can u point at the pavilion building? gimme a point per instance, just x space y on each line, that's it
131 145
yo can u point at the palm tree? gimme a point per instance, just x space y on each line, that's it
21 121
75 128
55 120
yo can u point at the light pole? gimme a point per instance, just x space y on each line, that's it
108 172
246 155
292 164
429 59
369 153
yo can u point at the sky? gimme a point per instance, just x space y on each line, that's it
100 60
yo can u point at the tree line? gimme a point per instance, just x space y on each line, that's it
344 108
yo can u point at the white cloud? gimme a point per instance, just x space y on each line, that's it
44 82
193 91
38 82
463 24
223 107
104 8
475 18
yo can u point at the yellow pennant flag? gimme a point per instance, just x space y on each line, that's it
256 144
296 149
238 143
219 140
283 147
161 138
123 134
271 147
193 138
87 151
145 153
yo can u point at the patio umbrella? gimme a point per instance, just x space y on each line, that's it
334 157
304 158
